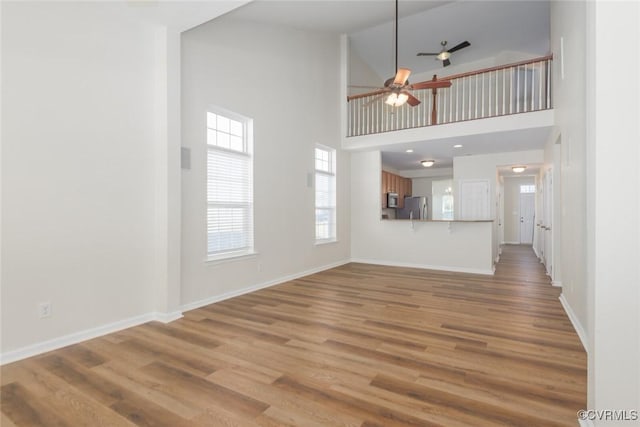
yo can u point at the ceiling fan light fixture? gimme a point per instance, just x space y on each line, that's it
518 169
444 55
396 99
427 163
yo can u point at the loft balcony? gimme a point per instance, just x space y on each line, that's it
498 99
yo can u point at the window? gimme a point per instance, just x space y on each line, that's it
229 185
325 194
527 189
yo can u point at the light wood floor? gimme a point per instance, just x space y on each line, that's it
358 345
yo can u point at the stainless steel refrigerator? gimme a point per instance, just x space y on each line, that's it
414 207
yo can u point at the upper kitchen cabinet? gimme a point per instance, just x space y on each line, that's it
392 183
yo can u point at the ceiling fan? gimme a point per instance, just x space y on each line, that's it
445 53
397 89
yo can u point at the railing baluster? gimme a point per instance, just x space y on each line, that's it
482 109
533 88
525 89
475 103
444 106
548 103
469 106
539 85
451 102
517 89
495 111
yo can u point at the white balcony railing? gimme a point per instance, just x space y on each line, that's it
509 89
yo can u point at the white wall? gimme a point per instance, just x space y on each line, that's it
512 206
486 167
78 169
612 150
428 244
421 187
360 74
568 20
287 81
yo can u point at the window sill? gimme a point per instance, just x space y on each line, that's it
325 242
225 258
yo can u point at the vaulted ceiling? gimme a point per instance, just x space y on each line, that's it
495 29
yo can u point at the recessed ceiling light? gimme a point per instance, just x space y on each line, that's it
427 163
518 169
409 150
457 146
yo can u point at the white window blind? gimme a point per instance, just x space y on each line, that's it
229 186
325 194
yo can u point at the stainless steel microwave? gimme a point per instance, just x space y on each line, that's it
392 200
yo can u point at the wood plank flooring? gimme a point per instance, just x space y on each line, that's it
358 345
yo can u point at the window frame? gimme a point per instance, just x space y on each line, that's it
332 208
248 154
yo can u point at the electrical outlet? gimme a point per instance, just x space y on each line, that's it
44 309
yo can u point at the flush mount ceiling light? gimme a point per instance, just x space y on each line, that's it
518 169
457 146
409 150
428 163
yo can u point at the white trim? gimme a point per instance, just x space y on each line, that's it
556 283
325 242
575 322
497 260
226 257
535 251
511 243
87 334
586 423
168 317
217 298
490 271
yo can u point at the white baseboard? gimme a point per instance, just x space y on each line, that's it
87 334
535 251
510 243
217 298
74 338
168 317
489 271
556 283
575 322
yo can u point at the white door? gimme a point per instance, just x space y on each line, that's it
474 199
527 217
548 222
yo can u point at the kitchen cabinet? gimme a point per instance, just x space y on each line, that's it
392 183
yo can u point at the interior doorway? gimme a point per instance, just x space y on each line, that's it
527 217
519 209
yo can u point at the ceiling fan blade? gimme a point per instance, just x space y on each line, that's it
413 101
430 84
459 46
427 54
401 76
446 63
364 87
364 95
